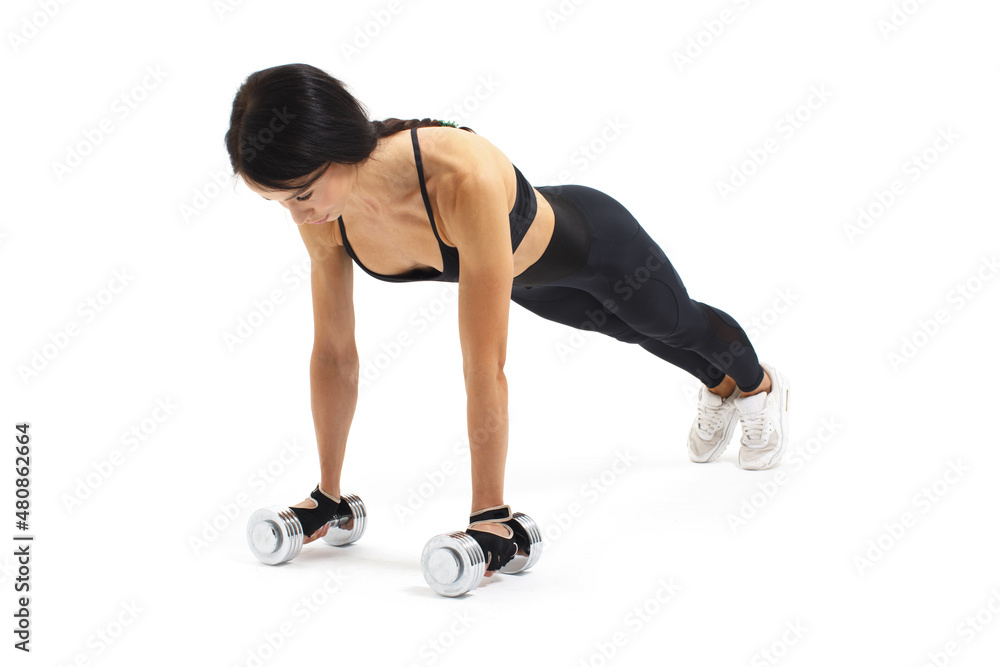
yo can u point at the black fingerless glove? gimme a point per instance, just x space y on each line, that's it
497 550
520 536
317 517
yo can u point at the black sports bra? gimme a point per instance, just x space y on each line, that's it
521 216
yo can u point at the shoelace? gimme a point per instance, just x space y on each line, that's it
756 429
709 418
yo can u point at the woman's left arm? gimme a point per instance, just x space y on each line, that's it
474 204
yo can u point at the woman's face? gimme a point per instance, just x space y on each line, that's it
321 202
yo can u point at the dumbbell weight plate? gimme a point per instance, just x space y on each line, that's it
274 535
453 564
520 563
338 536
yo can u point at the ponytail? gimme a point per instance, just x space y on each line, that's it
389 126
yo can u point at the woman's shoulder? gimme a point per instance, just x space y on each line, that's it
467 175
453 152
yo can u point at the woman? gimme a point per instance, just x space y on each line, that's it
411 202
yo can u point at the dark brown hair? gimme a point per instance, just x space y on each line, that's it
289 121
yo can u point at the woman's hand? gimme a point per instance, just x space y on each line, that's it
317 510
318 534
497 542
492 529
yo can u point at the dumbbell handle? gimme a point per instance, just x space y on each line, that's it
340 536
339 520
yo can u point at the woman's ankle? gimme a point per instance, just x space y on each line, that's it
725 388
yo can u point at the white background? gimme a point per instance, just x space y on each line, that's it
838 542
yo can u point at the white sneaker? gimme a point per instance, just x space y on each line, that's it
764 417
713 425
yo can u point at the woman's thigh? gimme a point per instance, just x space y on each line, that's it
574 307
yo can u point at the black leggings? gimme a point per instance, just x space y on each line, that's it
602 272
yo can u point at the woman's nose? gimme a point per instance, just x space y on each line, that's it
300 215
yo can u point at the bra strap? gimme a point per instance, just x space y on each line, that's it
423 185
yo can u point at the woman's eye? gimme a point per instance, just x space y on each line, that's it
304 198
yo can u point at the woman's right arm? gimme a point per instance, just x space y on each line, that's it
334 365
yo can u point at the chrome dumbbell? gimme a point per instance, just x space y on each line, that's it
454 564
275 533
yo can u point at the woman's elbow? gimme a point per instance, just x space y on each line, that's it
484 371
